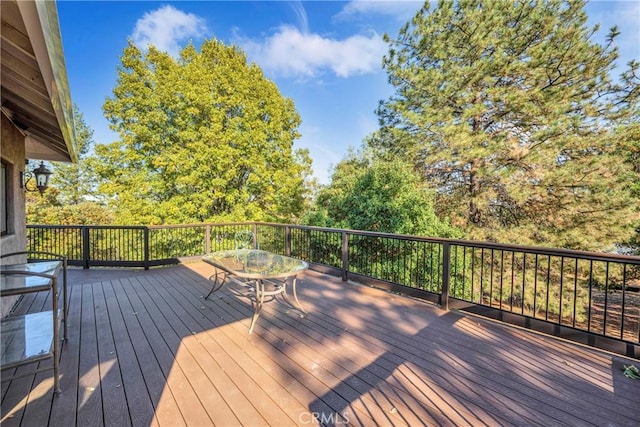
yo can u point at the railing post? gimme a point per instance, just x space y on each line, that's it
146 248
85 246
345 256
207 239
255 236
446 271
287 240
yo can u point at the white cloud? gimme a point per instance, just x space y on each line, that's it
292 53
400 10
166 27
301 15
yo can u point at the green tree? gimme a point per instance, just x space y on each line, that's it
509 111
375 195
202 137
329 209
74 181
47 209
630 136
71 198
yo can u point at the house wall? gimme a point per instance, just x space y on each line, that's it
12 152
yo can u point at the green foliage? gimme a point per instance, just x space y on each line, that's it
47 211
75 181
205 137
507 109
373 194
629 149
70 198
377 195
415 264
631 372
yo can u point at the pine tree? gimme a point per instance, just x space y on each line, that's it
509 110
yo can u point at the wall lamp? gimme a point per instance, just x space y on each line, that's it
41 175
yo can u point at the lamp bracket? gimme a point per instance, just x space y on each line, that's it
41 175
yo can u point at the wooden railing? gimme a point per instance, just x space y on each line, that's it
592 298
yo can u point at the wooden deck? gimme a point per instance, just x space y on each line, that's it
147 349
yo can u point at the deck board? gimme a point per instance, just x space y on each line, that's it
114 402
61 412
89 410
186 376
250 379
149 350
155 360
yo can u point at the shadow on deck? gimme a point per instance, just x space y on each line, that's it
145 348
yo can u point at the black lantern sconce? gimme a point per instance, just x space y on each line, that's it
41 175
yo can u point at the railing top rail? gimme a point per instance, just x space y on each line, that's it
596 256
202 224
139 227
93 227
535 250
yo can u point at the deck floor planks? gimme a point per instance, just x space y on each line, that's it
359 353
89 391
69 362
304 346
378 370
268 357
141 376
241 313
185 370
388 362
154 358
350 358
530 408
217 363
519 367
246 359
150 379
381 397
260 385
290 348
569 371
114 401
498 375
411 352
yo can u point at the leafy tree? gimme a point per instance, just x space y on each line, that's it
384 196
329 209
508 110
39 206
47 209
202 137
630 137
74 181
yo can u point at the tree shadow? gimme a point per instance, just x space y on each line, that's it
125 335
454 370
141 344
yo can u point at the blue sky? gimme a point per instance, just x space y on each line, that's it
324 55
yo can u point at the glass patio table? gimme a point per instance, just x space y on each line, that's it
14 286
266 273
